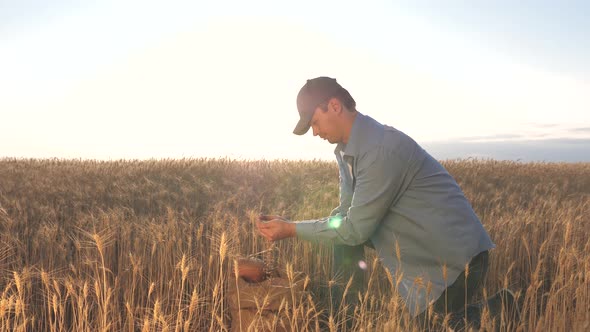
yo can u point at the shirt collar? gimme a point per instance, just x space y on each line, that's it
364 132
352 147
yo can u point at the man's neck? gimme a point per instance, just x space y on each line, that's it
348 127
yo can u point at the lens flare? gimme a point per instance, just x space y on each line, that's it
335 221
362 265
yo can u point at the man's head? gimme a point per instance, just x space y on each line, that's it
327 107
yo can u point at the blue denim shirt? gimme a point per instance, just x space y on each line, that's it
396 195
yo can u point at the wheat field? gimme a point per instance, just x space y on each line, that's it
150 245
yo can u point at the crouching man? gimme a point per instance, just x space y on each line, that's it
396 198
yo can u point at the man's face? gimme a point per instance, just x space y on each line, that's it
325 124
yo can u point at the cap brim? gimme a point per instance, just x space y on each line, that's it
303 125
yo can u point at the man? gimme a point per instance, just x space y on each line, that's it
395 198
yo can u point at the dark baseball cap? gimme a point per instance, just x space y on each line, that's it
313 93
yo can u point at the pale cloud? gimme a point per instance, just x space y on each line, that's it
548 150
583 130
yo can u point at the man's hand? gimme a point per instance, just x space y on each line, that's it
275 228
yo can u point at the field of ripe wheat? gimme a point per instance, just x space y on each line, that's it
151 245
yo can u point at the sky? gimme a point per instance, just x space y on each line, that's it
188 79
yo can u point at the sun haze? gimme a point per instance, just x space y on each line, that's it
134 80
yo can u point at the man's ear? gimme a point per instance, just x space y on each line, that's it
336 105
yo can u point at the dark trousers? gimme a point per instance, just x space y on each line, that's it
457 299
347 264
452 300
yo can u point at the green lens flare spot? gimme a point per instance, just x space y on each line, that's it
335 221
